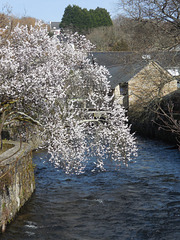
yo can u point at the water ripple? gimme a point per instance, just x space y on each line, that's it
136 203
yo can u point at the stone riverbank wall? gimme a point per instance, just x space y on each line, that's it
17 181
148 125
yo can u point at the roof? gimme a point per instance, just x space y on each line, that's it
123 66
113 58
165 58
122 74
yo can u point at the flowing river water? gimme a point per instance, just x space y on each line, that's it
136 203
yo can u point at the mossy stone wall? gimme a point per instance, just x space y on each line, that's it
17 181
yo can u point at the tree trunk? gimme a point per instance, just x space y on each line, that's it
1 127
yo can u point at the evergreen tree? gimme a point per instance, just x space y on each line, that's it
81 20
102 17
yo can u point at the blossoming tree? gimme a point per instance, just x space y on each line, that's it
52 82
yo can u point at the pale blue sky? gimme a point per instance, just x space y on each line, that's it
52 10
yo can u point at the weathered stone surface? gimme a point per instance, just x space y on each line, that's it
17 181
151 82
146 123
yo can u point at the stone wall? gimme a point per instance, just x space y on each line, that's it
147 124
17 181
151 82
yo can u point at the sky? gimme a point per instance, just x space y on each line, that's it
52 10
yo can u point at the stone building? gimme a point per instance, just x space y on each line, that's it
137 79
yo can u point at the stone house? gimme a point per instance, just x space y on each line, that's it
142 84
137 79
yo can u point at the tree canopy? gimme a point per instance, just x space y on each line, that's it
164 11
48 80
80 20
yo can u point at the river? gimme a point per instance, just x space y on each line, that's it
139 202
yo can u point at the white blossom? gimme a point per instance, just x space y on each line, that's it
50 77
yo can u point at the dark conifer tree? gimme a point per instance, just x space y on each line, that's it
82 20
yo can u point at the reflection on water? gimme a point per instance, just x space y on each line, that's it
137 203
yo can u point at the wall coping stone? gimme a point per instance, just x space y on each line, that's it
19 150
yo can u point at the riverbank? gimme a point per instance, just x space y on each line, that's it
149 129
149 123
17 182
